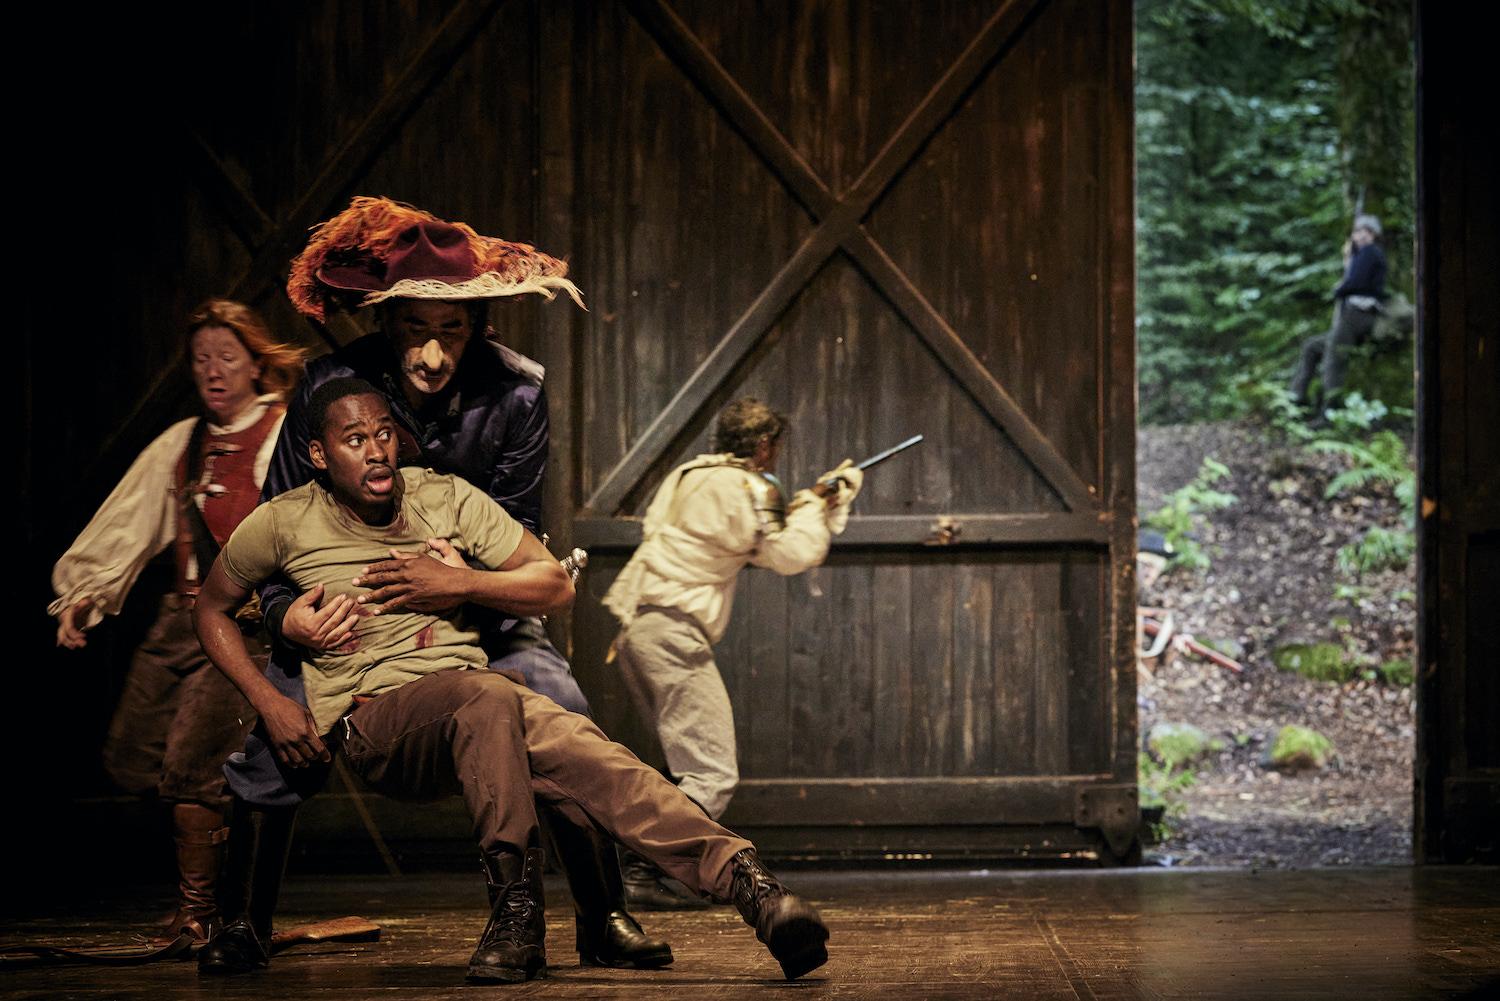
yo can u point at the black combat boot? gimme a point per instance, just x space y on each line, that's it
513 946
606 933
647 888
788 925
260 838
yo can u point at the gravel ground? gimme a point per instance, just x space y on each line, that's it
1272 582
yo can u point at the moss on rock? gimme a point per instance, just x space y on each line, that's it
1297 747
1317 661
1178 745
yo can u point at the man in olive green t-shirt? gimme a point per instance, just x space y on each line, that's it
315 540
416 713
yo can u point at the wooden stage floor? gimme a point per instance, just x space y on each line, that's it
1376 934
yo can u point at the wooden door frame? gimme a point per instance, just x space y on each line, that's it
1456 800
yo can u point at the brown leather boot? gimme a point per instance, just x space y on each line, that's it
513 947
200 834
788 925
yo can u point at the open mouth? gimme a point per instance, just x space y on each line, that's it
380 480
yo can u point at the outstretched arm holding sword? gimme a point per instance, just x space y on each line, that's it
833 481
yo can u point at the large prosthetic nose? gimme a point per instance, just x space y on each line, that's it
432 355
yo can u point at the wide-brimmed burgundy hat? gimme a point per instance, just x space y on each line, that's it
379 249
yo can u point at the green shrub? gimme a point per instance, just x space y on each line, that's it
1354 418
1375 459
1179 517
1162 786
1271 404
1378 549
1383 372
1398 673
1380 460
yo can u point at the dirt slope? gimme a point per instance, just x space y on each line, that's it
1272 582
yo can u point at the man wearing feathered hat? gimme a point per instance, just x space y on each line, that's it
465 405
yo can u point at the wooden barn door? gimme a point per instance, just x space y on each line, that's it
884 219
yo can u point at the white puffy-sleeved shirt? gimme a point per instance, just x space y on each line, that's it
702 527
139 519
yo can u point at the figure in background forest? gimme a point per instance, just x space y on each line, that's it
1357 302
178 718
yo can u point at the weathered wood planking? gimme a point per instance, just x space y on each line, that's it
678 226
866 679
981 142
893 661
973 706
1174 936
999 224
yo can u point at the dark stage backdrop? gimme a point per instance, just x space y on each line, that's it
884 218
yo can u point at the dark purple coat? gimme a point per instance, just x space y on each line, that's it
493 432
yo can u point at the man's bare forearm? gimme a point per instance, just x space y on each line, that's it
291 729
221 639
225 646
535 588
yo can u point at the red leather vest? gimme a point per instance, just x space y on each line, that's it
226 482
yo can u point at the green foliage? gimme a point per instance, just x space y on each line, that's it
1381 460
1240 204
1356 418
1376 459
1246 184
1299 747
1316 661
1179 517
1378 549
1397 672
1270 403
1384 372
1345 591
1163 786
1377 121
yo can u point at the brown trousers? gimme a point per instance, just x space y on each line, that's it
481 735
178 718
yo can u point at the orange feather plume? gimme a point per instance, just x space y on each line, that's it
370 226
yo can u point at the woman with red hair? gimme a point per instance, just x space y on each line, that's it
178 718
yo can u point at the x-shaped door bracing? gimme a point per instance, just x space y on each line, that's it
839 226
